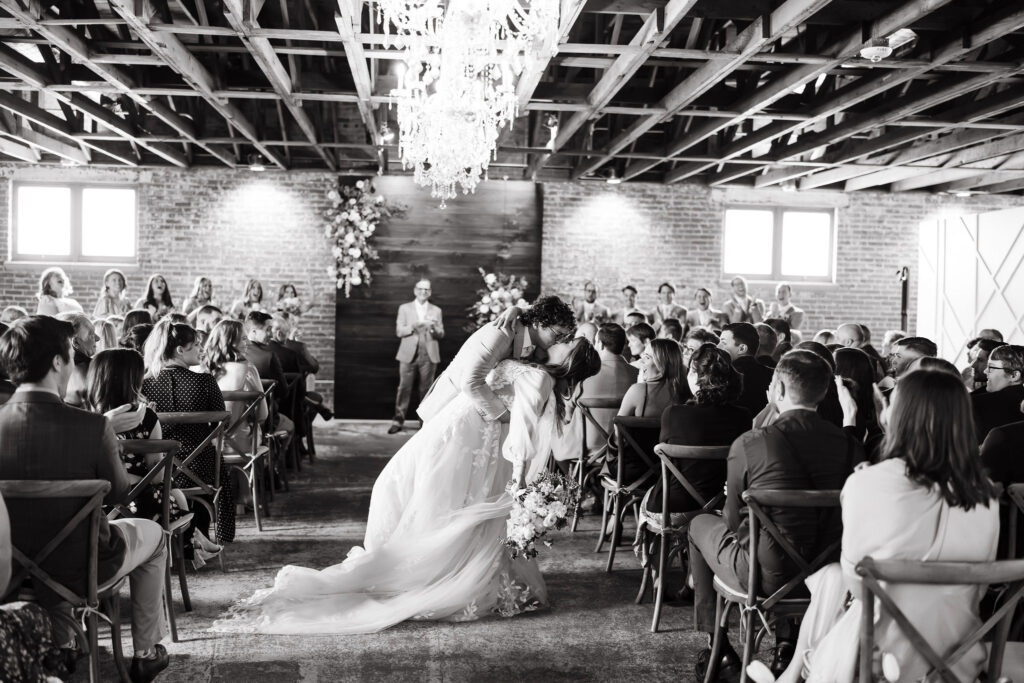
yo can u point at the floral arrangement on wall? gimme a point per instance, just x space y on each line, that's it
356 212
499 292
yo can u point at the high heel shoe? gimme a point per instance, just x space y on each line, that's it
200 557
201 542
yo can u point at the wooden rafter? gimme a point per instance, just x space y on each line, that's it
349 21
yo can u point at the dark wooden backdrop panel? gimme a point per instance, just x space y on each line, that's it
446 246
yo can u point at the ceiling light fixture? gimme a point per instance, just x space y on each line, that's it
613 178
551 122
386 134
256 163
878 49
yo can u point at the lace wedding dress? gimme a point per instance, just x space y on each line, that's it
437 515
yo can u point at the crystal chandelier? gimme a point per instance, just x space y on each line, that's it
458 91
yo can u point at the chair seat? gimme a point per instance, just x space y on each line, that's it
110 587
244 458
678 521
736 594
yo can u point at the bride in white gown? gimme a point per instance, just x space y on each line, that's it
437 517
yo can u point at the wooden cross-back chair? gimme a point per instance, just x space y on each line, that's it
198 490
669 529
780 604
589 463
874 572
163 470
30 561
277 439
620 495
250 458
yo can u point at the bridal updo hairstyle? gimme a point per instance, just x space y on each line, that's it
932 428
718 383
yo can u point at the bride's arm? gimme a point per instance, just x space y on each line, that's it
531 425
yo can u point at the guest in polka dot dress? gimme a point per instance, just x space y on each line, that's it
170 386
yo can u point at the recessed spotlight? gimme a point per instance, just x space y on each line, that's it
613 178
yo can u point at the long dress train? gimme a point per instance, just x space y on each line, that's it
433 537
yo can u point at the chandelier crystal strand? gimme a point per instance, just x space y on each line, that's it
458 90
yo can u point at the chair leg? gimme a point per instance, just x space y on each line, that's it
94 648
617 515
749 636
179 563
168 596
111 607
721 619
604 523
645 575
254 486
659 597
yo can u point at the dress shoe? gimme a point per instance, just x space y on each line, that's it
728 664
145 670
782 655
394 429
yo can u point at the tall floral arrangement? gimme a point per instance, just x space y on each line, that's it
500 292
355 213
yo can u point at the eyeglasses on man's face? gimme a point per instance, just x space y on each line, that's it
990 368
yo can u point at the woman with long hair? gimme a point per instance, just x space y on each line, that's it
928 499
854 367
201 295
661 365
157 299
55 293
435 512
225 359
113 298
170 350
252 300
107 331
115 379
710 418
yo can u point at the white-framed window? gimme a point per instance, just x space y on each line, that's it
73 222
779 243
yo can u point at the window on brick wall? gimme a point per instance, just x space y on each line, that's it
777 243
73 222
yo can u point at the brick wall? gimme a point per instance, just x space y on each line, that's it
645 234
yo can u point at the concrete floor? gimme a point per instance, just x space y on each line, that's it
593 631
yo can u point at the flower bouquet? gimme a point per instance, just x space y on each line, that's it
499 293
540 507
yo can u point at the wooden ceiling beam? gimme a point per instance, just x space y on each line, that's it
655 30
949 175
177 57
760 34
349 20
242 17
1007 186
30 12
20 151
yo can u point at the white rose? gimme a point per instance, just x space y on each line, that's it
486 299
379 200
490 278
349 238
558 508
354 252
371 228
551 520
359 265
484 308
337 252
333 195
352 200
355 280
359 184
495 308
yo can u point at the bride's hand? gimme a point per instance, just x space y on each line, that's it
506 321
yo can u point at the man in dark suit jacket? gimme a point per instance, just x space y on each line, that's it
259 353
800 450
998 404
42 438
741 342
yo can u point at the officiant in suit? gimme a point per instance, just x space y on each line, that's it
523 335
419 326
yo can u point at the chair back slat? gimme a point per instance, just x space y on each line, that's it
191 418
874 572
219 417
168 447
94 491
668 453
627 428
249 415
586 407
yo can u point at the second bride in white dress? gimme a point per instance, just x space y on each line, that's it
437 517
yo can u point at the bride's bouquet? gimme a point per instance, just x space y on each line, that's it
541 506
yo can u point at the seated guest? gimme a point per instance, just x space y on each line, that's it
666 309
115 379
252 300
12 313
854 368
84 345
42 438
825 337
258 351
589 310
783 335
702 314
1001 452
136 316
55 293
741 307
1000 402
696 338
629 298
710 418
635 318
637 337
890 338
107 332
587 330
798 451
672 329
225 357
767 341
927 499
978 350
612 381
934 364
157 299
171 386
136 337
206 318
783 308
989 333
27 647
741 342
113 298
908 349
286 326
854 336
200 296
664 382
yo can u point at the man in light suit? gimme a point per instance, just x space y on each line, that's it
629 298
588 310
703 315
666 308
419 326
548 321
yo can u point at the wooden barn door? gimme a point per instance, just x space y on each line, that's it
446 246
971 277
